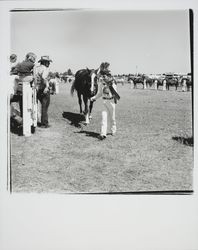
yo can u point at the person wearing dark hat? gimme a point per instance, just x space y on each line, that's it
43 91
107 90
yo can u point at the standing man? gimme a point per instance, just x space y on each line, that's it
107 90
43 91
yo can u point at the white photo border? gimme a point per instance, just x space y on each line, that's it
43 221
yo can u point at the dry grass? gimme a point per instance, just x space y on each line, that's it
143 156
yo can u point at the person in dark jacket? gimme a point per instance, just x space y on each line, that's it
25 73
25 68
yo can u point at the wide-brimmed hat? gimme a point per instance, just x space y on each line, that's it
45 58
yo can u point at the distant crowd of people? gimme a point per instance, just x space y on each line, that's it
38 86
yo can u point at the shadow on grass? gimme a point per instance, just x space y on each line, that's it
188 141
74 118
88 133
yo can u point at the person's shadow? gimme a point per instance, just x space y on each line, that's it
88 133
75 119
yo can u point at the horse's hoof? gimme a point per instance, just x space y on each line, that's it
90 117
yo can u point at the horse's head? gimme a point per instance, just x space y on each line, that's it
93 87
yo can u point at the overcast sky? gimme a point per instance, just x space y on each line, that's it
146 41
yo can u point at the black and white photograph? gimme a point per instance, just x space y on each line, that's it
98 125
101 101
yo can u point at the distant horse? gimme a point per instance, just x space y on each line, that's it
139 79
85 84
135 80
172 82
148 81
161 81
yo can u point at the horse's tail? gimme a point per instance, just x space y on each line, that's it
72 88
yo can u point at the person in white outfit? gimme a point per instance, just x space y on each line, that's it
107 90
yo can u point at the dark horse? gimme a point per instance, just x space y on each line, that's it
135 80
172 82
85 84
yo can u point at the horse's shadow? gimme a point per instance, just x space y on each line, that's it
75 119
78 120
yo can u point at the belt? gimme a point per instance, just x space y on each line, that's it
25 74
107 98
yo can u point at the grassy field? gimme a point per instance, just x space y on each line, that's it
150 151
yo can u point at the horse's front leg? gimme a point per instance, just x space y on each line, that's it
90 109
80 102
85 99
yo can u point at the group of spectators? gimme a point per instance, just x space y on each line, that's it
34 77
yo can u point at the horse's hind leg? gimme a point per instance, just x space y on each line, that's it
80 102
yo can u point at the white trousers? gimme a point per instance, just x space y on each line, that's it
57 87
108 113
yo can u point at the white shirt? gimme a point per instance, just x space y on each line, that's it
101 89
